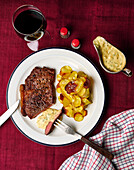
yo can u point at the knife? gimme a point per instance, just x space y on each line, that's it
9 112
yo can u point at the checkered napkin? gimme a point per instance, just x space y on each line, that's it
117 136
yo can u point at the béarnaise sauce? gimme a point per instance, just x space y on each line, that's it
112 59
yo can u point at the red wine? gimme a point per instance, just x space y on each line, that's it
29 22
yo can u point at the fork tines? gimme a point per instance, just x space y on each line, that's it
60 125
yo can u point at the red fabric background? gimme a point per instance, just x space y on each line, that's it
86 19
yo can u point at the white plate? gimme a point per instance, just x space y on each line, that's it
55 58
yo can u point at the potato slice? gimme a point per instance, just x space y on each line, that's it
83 79
84 113
62 85
65 75
78 109
59 77
81 74
73 76
69 96
78 117
77 101
58 89
69 111
66 101
87 93
82 92
85 101
65 69
79 86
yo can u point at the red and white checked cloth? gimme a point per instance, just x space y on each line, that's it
117 136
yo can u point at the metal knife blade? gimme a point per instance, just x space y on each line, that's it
9 112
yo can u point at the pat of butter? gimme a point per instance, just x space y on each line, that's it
47 116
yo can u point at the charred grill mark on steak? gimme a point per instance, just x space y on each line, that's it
38 92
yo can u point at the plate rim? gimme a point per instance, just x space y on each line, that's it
67 49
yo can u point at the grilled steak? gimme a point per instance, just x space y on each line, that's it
38 92
39 77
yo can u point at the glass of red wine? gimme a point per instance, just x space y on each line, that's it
30 24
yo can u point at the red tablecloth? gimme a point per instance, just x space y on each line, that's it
86 19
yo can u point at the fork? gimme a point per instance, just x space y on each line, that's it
69 130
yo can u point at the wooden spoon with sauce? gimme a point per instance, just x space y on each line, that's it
111 59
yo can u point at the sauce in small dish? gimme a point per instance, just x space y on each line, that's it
111 59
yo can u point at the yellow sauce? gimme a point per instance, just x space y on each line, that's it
113 59
47 116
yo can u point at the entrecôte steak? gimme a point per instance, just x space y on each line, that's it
38 92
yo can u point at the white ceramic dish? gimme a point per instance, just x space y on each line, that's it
55 58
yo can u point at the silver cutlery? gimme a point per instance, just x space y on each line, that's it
69 130
9 112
